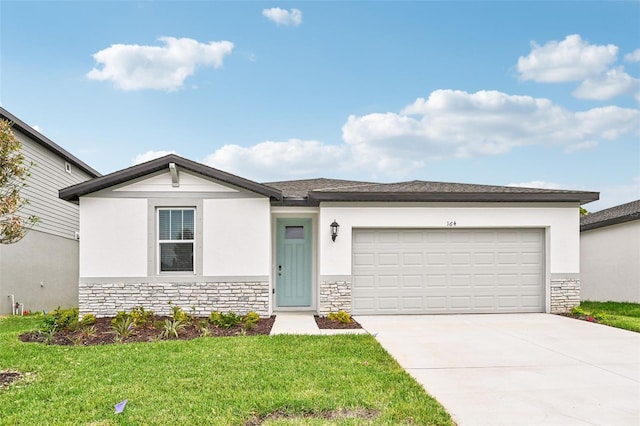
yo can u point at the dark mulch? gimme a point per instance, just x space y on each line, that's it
326 323
101 333
8 377
359 413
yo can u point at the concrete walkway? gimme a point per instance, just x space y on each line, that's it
303 323
518 369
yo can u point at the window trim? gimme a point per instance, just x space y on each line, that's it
153 204
159 242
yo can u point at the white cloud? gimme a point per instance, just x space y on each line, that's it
580 146
537 184
150 155
571 59
614 82
37 129
291 17
136 67
633 56
279 160
447 124
456 124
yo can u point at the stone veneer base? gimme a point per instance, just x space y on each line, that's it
334 296
105 300
565 295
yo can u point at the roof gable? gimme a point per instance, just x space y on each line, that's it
163 182
134 173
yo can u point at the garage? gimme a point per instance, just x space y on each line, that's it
432 271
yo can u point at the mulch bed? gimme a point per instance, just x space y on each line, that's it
325 323
101 333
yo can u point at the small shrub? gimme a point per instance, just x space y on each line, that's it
90 331
141 317
171 328
179 315
250 320
87 320
61 319
340 316
228 320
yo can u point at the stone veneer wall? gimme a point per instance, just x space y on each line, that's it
334 296
565 294
104 300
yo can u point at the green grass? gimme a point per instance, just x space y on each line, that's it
213 381
616 314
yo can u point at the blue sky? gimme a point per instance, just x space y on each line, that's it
543 94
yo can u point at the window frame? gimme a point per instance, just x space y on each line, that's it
159 242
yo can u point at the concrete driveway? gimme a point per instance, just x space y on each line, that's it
518 369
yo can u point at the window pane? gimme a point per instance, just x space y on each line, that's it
188 226
176 224
176 257
294 232
164 224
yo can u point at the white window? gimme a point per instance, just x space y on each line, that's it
176 236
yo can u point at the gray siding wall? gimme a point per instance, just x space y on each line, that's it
41 270
57 217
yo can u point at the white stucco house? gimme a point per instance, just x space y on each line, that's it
40 272
610 254
175 230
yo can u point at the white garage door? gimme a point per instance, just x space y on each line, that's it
424 271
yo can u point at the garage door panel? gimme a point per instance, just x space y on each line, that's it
448 271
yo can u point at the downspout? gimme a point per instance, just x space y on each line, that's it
13 304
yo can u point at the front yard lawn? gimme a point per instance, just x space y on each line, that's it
616 314
248 380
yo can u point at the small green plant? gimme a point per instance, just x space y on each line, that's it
250 320
579 311
171 328
141 317
340 316
179 315
90 331
203 328
61 319
228 320
122 325
87 320
601 316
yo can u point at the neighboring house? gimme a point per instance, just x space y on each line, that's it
172 230
610 254
41 270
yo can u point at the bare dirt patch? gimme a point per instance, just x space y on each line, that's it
8 377
359 413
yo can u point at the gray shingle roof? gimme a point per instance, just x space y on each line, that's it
301 188
611 216
317 190
47 143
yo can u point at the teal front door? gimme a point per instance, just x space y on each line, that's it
293 263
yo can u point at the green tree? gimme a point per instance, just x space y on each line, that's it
583 211
13 176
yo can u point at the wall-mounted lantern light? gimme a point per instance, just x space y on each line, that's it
334 230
